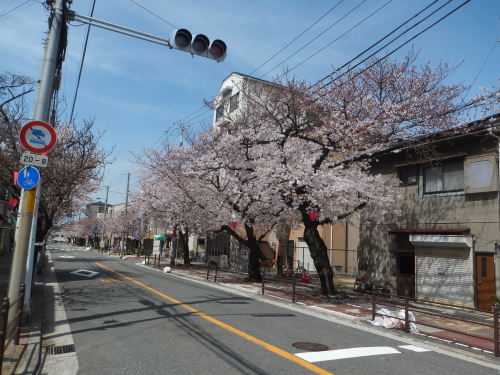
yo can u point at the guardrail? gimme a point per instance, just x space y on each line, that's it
5 326
409 304
290 281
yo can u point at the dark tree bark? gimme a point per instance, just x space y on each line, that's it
319 254
252 243
184 245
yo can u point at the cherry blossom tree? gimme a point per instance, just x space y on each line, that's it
82 228
207 186
124 223
320 139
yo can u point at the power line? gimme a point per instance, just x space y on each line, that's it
81 64
19 6
297 37
157 16
387 44
482 67
393 51
386 36
352 28
300 49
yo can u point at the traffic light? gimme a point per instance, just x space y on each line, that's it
183 40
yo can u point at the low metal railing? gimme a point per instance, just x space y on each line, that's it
16 321
404 302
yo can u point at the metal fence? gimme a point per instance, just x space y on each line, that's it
343 261
15 324
430 308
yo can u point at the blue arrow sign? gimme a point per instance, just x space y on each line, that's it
96 229
28 177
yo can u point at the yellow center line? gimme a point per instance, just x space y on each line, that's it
255 340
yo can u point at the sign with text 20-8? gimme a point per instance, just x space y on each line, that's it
37 137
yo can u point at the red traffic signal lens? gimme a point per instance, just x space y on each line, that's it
218 48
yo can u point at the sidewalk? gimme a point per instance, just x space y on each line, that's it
25 358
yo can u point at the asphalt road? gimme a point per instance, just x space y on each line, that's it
126 318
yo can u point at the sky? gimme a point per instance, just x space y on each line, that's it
140 93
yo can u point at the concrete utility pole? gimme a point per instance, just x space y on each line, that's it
126 193
30 198
105 214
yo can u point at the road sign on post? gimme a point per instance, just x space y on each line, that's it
35 160
28 177
38 137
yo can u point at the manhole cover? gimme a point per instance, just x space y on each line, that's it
310 346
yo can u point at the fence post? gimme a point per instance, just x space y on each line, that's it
20 310
208 273
407 314
216 270
4 308
374 305
495 331
293 287
263 283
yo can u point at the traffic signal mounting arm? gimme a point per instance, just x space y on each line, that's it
180 39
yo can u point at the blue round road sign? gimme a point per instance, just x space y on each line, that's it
28 177
96 229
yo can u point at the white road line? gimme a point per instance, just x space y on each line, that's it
414 348
330 355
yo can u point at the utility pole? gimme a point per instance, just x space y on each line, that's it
126 194
105 214
30 198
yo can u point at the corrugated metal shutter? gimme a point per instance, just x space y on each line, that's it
444 275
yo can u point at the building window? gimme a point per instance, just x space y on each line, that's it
446 177
233 102
219 112
101 210
408 176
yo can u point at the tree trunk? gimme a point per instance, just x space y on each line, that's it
319 254
254 255
184 240
43 225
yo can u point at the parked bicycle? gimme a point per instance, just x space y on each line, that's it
299 269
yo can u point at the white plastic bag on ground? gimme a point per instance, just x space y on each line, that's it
384 318
411 318
167 269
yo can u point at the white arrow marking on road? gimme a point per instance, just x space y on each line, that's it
85 273
330 355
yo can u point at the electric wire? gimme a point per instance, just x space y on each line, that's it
482 67
297 37
352 28
300 49
71 118
387 44
398 48
6 13
157 16
385 37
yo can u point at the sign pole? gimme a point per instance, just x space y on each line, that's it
31 197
